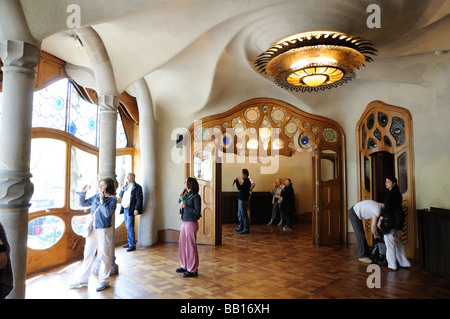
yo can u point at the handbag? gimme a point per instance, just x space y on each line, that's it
88 226
387 223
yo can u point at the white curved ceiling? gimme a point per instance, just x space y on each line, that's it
196 49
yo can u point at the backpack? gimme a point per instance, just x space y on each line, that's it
379 251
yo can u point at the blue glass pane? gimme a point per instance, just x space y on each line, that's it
92 123
72 128
58 103
304 140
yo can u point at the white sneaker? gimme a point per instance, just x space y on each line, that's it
365 260
78 285
102 286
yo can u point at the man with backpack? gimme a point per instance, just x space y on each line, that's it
366 209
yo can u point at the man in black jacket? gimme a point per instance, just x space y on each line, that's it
132 205
244 193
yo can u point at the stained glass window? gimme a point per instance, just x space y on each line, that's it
82 119
59 106
49 106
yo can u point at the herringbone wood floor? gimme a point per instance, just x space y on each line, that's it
268 263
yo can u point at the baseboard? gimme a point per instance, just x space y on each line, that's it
168 236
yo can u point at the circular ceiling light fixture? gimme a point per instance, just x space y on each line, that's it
313 61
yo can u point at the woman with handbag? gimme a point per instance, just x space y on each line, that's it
391 224
103 205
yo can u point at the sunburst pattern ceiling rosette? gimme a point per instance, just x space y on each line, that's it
317 60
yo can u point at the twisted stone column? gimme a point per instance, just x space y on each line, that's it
109 105
19 60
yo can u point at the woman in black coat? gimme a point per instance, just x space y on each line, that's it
391 223
287 204
190 213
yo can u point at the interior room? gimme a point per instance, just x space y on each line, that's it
335 95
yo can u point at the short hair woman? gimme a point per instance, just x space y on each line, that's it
103 205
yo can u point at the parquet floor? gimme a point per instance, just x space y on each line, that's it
268 263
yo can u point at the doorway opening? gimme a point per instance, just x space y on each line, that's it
382 165
296 167
266 131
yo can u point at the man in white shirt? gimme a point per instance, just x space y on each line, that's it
132 205
365 209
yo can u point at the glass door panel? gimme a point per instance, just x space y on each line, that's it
48 167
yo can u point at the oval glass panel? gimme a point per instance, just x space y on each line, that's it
44 232
78 223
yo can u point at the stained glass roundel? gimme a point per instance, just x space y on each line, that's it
226 140
278 115
252 115
291 127
305 140
330 134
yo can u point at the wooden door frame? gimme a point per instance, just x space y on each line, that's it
320 132
378 144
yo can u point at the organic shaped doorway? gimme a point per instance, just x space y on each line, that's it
385 147
265 129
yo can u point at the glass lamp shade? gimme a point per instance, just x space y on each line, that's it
315 76
315 80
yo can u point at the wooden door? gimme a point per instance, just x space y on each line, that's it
207 170
327 209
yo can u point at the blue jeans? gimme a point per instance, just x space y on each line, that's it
244 223
129 223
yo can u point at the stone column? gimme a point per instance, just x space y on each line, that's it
148 227
19 60
109 105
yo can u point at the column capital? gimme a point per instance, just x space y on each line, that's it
19 54
16 189
108 102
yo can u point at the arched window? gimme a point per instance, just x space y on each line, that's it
64 158
59 106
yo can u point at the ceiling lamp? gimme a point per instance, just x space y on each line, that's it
313 61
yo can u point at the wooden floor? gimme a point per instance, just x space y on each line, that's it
268 263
